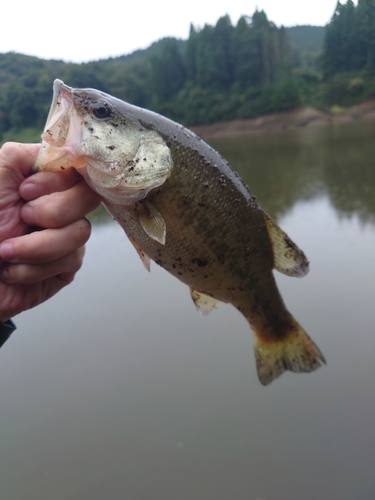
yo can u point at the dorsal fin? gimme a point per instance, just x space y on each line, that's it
144 257
203 302
152 222
288 258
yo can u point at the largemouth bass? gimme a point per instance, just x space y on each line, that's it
182 206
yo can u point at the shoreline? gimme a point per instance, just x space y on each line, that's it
287 120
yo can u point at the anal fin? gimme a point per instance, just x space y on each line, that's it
203 302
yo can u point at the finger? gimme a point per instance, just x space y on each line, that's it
43 183
21 155
26 274
20 297
59 209
47 245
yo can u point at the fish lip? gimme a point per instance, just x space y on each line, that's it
57 151
61 102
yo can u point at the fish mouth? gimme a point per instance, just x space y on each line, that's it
62 133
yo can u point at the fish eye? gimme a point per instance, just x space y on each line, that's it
102 111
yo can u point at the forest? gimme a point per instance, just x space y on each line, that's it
219 73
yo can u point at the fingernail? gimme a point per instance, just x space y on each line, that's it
29 191
6 251
27 214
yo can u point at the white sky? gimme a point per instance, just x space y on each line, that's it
78 31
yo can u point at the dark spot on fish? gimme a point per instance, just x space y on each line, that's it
206 185
62 168
91 129
110 147
179 273
200 262
221 258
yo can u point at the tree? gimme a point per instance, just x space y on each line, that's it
366 31
349 42
246 60
168 71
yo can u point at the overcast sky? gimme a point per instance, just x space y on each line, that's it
78 31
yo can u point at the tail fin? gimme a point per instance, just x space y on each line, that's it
295 352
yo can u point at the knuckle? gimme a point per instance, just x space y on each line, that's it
46 212
22 274
8 147
8 151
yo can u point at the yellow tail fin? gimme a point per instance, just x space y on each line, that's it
295 352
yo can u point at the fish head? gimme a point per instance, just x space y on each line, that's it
102 138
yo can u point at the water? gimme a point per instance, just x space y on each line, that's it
118 389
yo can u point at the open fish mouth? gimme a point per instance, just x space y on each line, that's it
62 134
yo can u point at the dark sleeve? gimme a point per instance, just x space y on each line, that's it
6 330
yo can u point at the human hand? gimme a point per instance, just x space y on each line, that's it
36 264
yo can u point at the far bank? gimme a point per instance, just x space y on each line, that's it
275 122
288 120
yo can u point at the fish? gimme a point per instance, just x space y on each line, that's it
183 207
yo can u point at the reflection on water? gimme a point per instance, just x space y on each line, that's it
281 169
117 389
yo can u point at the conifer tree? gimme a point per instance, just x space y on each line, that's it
366 31
168 71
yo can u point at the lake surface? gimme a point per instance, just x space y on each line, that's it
118 389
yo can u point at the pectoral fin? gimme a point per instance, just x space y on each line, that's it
144 257
153 223
203 302
288 258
